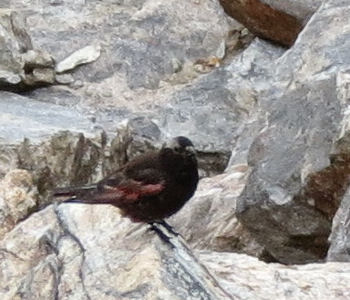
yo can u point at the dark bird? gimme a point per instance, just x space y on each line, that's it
149 188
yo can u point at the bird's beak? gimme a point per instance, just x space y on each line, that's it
191 149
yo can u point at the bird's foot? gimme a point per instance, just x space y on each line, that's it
167 226
160 233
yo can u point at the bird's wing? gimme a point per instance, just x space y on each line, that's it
131 185
119 188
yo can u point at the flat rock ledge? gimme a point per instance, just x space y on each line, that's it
72 251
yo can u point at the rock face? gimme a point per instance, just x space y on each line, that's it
299 160
68 252
84 252
87 85
209 221
147 51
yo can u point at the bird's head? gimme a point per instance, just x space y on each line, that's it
181 145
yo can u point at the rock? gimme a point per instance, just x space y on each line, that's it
299 155
37 59
339 249
208 220
89 252
19 30
28 263
64 78
40 119
17 199
84 154
264 21
40 76
134 75
246 277
82 56
282 115
72 251
140 39
8 77
11 66
19 63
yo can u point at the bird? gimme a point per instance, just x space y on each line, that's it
149 188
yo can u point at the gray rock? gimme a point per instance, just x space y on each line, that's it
140 45
299 172
11 66
64 78
282 113
19 63
246 277
52 253
140 39
19 30
36 120
340 236
10 78
71 251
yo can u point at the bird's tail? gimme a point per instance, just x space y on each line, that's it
71 192
82 194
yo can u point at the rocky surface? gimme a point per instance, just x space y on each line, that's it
270 126
246 277
209 221
148 52
18 198
73 251
340 237
64 251
21 66
299 158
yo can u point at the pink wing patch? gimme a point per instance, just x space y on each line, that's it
130 192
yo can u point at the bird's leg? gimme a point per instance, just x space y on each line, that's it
159 232
167 226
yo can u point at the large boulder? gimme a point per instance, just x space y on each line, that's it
299 159
72 251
